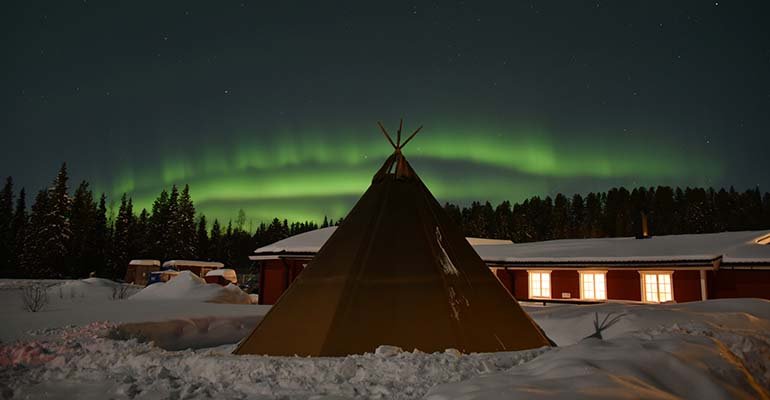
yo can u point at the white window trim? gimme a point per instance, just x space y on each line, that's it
642 284
593 271
529 283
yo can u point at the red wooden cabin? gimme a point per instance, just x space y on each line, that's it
676 268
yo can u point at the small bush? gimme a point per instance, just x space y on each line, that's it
119 292
34 297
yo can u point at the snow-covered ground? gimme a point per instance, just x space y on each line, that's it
88 346
91 300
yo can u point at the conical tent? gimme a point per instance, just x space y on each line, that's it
396 272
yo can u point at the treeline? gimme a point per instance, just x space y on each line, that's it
617 213
74 236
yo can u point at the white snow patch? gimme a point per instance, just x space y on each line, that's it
704 350
189 286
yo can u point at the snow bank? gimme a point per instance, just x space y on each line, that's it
189 286
671 366
736 314
92 300
707 350
188 333
100 368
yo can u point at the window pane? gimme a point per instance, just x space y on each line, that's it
664 287
601 295
601 289
651 287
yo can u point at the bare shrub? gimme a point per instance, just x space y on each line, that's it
34 297
607 322
119 292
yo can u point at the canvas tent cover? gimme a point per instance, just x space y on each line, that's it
396 272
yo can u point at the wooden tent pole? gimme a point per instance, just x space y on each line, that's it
400 125
384 132
410 137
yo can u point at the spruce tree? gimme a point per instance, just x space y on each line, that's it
140 236
171 232
6 232
240 220
577 217
184 226
18 231
501 228
158 226
122 239
202 240
215 243
593 216
102 238
560 217
34 262
82 253
57 231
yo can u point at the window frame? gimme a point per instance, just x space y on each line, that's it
643 285
541 272
582 284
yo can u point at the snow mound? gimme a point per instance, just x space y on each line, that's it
671 366
188 286
188 333
89 284
706 350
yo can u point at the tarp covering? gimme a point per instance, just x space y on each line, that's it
396 272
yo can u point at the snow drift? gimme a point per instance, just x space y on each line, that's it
188 286
705 350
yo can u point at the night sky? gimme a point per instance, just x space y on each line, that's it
273 108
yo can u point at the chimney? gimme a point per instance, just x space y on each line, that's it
645 233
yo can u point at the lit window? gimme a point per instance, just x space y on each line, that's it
657 287
593 285
540 284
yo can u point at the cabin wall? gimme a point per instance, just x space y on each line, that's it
565 284
686 286
140 274
276 276
515 281
505 277
624 285
272 281
520 284
730 283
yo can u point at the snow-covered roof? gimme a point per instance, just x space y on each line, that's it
307 242
745 247
731 247
155 263
486 242
226 272
310 242
192 263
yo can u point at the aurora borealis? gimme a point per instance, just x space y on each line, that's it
273 109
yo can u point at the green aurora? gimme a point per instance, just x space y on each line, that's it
307 174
